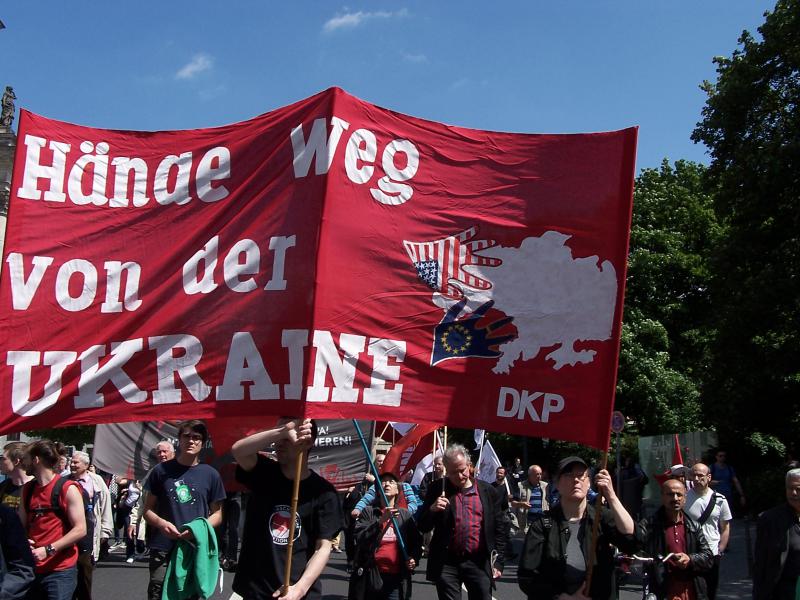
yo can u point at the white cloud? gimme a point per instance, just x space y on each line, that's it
414 58
199 63
355 19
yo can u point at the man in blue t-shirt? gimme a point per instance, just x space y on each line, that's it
723 478
181 490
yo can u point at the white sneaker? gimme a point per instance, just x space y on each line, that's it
129 560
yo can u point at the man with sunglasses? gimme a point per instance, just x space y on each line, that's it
180 490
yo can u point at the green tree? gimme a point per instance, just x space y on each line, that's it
666 329
751 125
77 435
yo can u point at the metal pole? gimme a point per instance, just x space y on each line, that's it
379 488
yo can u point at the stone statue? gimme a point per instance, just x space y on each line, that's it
7 103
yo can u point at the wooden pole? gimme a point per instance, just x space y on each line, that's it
298 474
598 504
444 449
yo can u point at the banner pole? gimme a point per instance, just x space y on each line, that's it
598 503
480 454
379 489
444 449
287 573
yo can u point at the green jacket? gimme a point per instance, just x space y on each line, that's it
193 568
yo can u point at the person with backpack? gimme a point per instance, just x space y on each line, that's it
712 513
53 513
99 524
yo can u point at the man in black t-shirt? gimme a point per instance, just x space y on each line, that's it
260 572
11 467
181 490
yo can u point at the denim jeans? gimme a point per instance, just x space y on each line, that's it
57 585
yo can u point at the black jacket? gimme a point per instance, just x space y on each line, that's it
443 523
368 532
772 544
650 535
544 555
16 560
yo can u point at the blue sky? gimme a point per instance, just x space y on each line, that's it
536 67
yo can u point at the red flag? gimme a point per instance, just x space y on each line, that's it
677 457
392 462
331 259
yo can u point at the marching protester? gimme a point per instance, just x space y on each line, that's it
557 546
53 513
164 451
776 570
682 554
380 570
411 499
11 467
532 498
130 492
16 560
260 572
469 530
180 490
435 475
723 478
99 524
711 511
500 484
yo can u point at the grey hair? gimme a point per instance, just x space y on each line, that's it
455 450
792 474
82 456
532 467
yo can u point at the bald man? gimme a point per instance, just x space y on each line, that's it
532 497
712 513
163 451
676 541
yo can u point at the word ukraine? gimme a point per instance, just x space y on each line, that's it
177 358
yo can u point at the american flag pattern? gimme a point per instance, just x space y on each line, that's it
440 263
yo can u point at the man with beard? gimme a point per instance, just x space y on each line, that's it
712 513
469 530
261 569
682 554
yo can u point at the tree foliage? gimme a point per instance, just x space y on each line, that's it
666 333
751 125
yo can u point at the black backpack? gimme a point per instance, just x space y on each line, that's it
86 543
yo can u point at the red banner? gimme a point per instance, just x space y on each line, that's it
330 258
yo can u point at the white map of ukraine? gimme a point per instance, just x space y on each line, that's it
556 300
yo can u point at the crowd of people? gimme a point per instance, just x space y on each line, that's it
58 517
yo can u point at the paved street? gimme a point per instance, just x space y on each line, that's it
114 579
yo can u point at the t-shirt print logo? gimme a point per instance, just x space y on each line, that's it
182 492
279 524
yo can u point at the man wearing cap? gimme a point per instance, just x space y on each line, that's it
558 543
469 530
682 554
